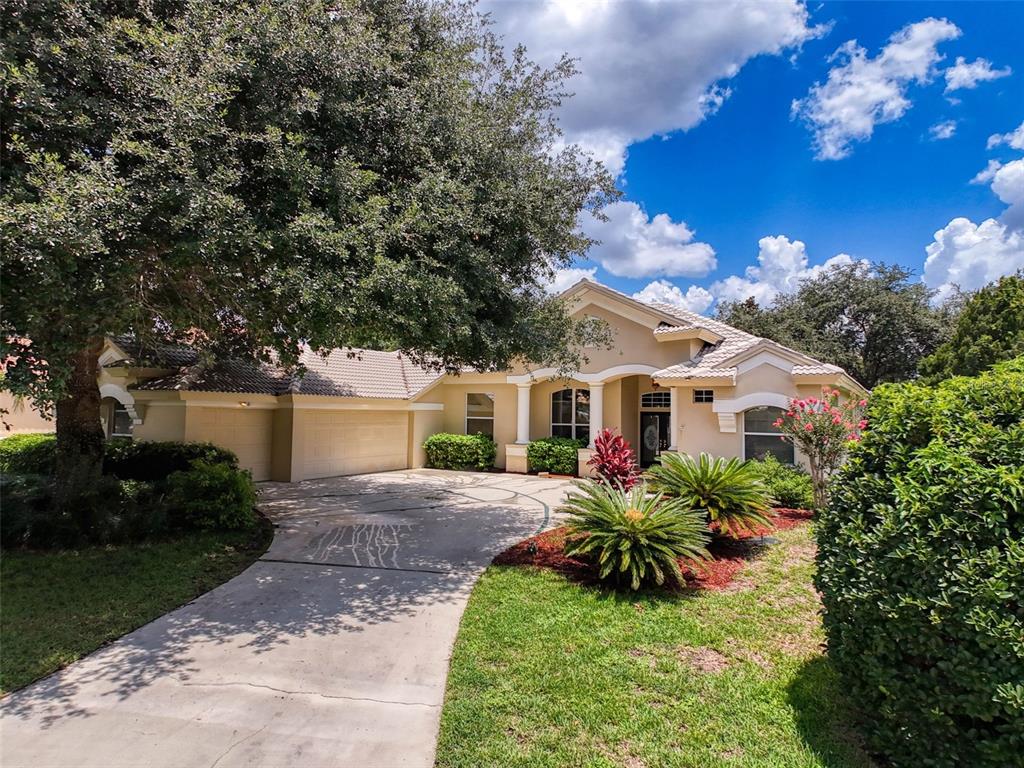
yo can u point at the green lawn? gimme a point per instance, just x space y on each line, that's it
56 607
550 673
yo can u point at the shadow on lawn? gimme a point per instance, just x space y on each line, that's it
349 553
825 719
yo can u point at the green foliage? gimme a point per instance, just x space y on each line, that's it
558 455
635 536
449 451
877 323
921 569
729 491
788 485
211 496
153 460
258 176
31 454
990 328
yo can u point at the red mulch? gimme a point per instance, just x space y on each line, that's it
546 550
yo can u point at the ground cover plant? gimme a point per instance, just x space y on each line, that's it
921 568
552 672
449 451
557 455
56 607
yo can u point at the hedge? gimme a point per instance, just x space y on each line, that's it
921 570
447 451
28 454
558 455
790 486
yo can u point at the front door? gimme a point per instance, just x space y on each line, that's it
653 436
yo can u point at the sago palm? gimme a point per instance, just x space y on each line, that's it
634 536
730 491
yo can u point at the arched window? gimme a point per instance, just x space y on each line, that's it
117 422
570 413
761 438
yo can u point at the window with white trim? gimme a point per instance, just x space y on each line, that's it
762 437
480 413
703 395
658 399
570 413
121 423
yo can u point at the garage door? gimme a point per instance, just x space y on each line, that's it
247 432
354 442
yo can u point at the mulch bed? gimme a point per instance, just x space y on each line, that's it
546 550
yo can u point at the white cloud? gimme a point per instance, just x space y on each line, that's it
964 74
1008 184
1014 138
568 277
986 174
970 255
782 264
863 92
647 68
696 299
943 130
632 245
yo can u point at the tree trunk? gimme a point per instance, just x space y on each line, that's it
79 434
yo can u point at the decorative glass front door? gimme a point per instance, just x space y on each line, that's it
653 436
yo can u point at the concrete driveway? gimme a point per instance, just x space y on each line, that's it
332 650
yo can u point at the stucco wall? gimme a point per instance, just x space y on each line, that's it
452 395
162 422
21 416
633 344
425 424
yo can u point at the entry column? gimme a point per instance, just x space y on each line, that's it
673 419
523 414
596 411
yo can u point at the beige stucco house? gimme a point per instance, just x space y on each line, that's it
673 380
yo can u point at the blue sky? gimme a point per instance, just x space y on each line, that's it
694 103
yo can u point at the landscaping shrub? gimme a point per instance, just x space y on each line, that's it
447 451
29 454
614 461
210 496
152 460
729 491
921 570
558 455
788 485
635 536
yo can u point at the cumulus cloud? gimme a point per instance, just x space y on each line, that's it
1014 138
781 265
696 299
647 68
1008 184
633 245
967 75
568 277
862 92
943 130
970 255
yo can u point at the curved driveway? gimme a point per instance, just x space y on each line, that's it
332 650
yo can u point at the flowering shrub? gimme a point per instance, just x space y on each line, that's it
614 461
823 428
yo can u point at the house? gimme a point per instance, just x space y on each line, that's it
673 380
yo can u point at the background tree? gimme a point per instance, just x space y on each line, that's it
873 321
249 177
989 329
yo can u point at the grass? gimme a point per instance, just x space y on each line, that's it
547 672
56 607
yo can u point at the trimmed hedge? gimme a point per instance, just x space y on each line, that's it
789 486
28 454
921 569
212 496
558 455
447 451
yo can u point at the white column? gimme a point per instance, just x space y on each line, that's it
523 414
596 411
673 420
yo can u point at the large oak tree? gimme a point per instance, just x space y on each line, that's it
249 177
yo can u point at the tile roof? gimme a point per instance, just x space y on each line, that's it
155 356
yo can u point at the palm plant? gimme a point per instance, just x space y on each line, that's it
634 535
729 491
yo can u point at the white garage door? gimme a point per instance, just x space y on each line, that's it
354 442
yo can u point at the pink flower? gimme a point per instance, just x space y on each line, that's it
863 403
862 423
777 423
836 420
808 426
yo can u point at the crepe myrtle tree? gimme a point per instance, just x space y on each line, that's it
823 428
252 177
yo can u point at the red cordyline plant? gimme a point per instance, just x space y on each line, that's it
823 429
614 461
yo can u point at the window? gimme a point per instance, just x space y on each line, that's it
760 437
570 413
121 425
480 413
661 399
703 395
